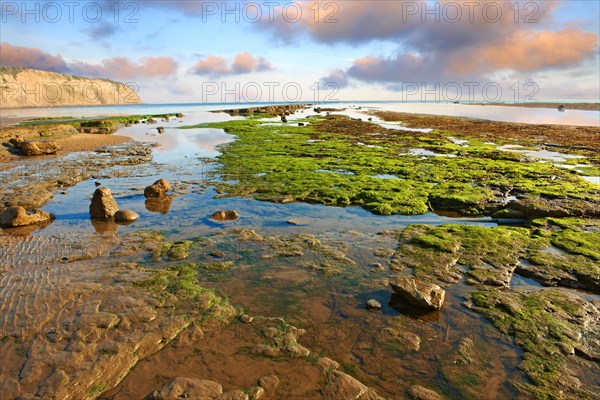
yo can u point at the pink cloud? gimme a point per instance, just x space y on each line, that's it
243 63
124 68
115 68
29 57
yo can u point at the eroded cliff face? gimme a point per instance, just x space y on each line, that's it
20 87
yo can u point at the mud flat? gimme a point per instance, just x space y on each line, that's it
272 305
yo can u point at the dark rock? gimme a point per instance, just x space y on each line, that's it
103 205
160 129
561 108
158 188
300 123
39 148
420 294
18 216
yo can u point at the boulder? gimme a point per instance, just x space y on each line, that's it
420 294
160 129
188 388
18 216
103 205
126 216
225 215
39 148
158 188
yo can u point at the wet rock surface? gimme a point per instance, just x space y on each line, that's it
126 216
420 294
18 216
103 204
225 215
157 189
39 148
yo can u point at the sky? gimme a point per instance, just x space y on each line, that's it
181 51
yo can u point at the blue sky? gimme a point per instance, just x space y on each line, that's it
375 50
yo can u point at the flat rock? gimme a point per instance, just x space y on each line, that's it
18 216
420 294
103 204
225 215
39 148
158 188
188 388
126 216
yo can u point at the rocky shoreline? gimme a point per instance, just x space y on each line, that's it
246 314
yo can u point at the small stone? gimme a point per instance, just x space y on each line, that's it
373 305
126 216
246 319
158 188
97 184
225 215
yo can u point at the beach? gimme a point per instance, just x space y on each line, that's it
300 294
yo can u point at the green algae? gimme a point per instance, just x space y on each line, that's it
336 161
547 325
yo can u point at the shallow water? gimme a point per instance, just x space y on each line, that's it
330 308
495 113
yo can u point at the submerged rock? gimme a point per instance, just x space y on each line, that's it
39 148
18 216
373 305
418 392
420 294
126 216
225 215
158 188
189 388
103 204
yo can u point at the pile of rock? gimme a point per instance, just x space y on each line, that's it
104 207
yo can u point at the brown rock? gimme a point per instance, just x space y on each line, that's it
420 294
18 216
39 148
225 215
103 205
269 383
126 216
234 395
343 386
421 393
158 188
189 388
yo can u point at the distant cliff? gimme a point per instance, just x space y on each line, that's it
21 87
